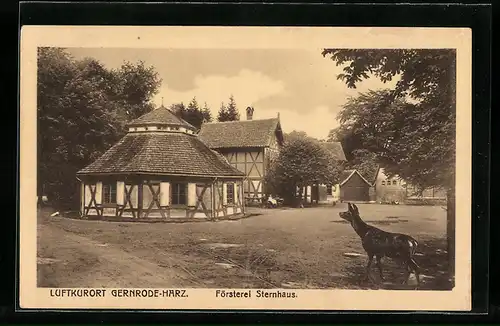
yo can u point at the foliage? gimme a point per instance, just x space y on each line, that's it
410 128
82 108
350 141
294 134
229 112
364 162
301 162
138 85
192 113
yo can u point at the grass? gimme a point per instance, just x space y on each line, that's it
297 248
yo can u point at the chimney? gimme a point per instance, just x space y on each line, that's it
249 113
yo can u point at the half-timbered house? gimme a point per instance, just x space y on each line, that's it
248 145
161 169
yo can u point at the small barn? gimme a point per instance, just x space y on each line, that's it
354 187
161 170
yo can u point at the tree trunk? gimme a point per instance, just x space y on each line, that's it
450 230
300 199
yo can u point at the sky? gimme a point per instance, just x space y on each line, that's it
300 85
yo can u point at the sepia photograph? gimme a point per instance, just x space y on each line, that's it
255 172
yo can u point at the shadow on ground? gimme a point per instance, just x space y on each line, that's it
432 259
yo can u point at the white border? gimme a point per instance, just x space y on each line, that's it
255 38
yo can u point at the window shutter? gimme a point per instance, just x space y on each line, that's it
191 200
164 194
236 194
120 192
224 194
98 193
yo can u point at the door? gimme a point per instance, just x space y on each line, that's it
354 193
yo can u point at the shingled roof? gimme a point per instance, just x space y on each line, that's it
336 149
160 116
161 153
234 134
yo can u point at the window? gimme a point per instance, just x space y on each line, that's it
329 190
109 193
178 194
383 182
230 193
394 182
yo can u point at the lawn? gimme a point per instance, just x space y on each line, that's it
295 248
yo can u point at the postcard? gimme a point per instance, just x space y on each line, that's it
245 168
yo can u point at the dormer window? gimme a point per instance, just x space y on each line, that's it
394 182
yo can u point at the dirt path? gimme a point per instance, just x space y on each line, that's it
76 261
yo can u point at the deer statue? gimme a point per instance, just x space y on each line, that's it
378 243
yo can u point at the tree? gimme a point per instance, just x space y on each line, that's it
294 134
229 112
232 110
179 109
138 85
410 128
192 113
81 113
300 163
222 114
358 158
207 114
350 142
365 162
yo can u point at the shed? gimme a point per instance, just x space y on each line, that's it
354 187
161 169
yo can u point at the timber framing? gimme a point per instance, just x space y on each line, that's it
142 198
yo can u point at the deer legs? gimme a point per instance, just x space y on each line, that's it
411 266
379 265
368 266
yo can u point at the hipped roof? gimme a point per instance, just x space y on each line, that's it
235 134
161 116
161 153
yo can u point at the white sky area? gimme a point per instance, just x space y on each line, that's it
300 84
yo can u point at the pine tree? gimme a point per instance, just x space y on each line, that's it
232 110
222 115
207 115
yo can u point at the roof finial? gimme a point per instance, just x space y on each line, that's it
278 115
162 101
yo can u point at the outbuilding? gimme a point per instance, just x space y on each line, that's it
161 170
354 187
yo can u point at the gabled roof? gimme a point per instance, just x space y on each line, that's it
347 174
336 149
234 134
375 175
160 116
161 153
